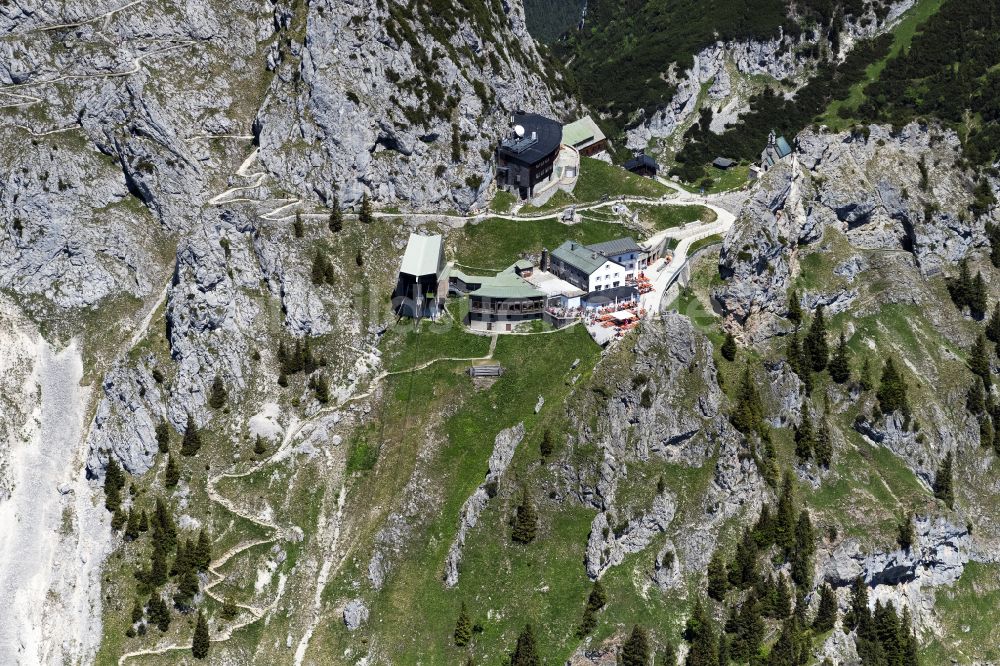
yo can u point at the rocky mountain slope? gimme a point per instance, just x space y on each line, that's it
211 418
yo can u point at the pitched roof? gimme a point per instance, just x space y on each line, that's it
615 247
579 257
547 137
784 150
641 161
723 162
581 132
422 256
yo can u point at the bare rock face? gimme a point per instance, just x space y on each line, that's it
355 614
370 100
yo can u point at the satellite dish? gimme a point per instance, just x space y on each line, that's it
519 130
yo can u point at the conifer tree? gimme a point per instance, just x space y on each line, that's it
784 652
229 610
547 445
463 628
202 551
259 448
978 297
163 436
318 272
892 390
816 346
795 360
865 378
158 568
784 519
217 396
336 222
595 602
750 630
297 226
200 643
782 598
700 633
840 368
138 611
763 529
143 521
187 589
805 442
987 433
805 548
526 651
635 652
132 525
718 578
975 398
979 361
824 441
960 287
114 482
858 614
159 613
943 489
192 440
172 475
794 309
907 534
993 326
743 572
748 415
365 216
525 521
728 348
826 616
668 656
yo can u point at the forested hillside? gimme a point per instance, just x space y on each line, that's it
621 55
549 19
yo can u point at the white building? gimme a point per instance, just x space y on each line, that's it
598 267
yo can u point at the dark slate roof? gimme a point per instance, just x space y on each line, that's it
723 162
615 247
641 161
548 136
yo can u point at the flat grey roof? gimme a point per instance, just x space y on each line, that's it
548 136
422 256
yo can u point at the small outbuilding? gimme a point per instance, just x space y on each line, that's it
644 165
585 136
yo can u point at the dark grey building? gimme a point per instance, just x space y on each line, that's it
527 156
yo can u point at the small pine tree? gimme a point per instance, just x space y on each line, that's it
159 613
456 144
200 643
163 436
805 548
975 398
187 589
826 616
943 489
840 369
892 390
795 361
729 348
526 651
865 379
217 395
114 482
359 259
700 633
907 534
192 440
718 577
322 389
365 216
318 272
118 519
138 611
298 227
794 309
229 610
805 441
987 433
525 521
202 556
282 379
635 652
816 347
259 448
978 297
748 415
668 657
595 602
132 525
979 361
143 521
993 326
463 628
960 287
824 443
857 613
336 221
547 444
172 474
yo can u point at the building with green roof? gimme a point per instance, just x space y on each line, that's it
585 136
499 302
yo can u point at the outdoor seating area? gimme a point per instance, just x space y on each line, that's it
613 321
642 283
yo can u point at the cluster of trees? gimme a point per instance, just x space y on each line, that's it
884 638
748 417
300 358
969 292
772 111
980 399
812 353
322 270
811 441
948 71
